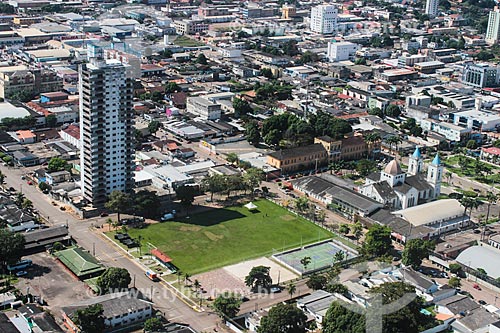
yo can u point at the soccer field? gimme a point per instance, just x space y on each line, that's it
227 236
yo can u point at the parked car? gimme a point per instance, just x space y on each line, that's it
482 302
476 286
21 273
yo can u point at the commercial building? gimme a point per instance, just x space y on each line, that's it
493 29
431 7
106 127
204 107
450 131
300 158
481 75
120 310
190 27
477 120
20 79
340 51
324 19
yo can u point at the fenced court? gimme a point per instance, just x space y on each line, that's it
321 254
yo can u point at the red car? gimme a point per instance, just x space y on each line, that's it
30 182
476 286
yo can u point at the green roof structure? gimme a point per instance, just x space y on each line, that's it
80 262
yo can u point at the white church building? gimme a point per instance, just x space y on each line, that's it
400 190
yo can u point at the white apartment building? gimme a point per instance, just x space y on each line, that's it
493 30
204 107
324 19
340 51
450 131
431 7
481 75
106 128
133 63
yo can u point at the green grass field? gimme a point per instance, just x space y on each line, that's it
226 236
187 42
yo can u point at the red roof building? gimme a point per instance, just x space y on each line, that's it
161 256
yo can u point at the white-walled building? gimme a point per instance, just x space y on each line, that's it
493 29
324 19
340 51
204 107
431 7
106 129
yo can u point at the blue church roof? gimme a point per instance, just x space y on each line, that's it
417 153
436 160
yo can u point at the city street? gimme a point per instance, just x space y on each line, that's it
165 301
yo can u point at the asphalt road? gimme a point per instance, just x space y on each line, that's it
165 301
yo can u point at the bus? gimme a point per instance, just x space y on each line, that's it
20 265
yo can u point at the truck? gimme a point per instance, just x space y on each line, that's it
152 275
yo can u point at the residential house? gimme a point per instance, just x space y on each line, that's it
121 310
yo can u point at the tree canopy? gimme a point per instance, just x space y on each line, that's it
338 319
415 251
241 107
377 241
118 202
57 164
259 277
186 194
90 319
283 318
227 305
11 246
153 325
113 279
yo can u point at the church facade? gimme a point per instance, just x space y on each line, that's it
400 190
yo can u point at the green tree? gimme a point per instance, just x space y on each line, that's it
376 112
252 178
11 247
27 204
146 204
337 288
454 282
409 319
302 204
227 305
338 319
57 164
393 111
5 8
344 229
377 241
118 202
308 57
172 87
471 144
157 96
90 319
364 167
357 230
51 120
186 194
154 126
153 324
266 72
44 187
305 262
241 107
258 278
291 288
202 59
232 158
252 132
455 268
415 251
213 184
113 279
283 318
317 282
360 61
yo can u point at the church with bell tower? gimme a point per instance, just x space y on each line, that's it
400 190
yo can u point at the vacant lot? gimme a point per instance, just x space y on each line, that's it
226 236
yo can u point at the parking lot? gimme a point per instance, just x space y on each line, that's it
49 280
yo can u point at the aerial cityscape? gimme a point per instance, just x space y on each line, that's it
272 166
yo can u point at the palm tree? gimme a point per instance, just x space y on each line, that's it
27 204
196 285
186 278
357 230
370 139
339 256
449 176
292 288
491 198
336 166
305 262
344 229
394 140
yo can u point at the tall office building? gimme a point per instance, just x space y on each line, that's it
493 31
106 129
324 19
431 7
